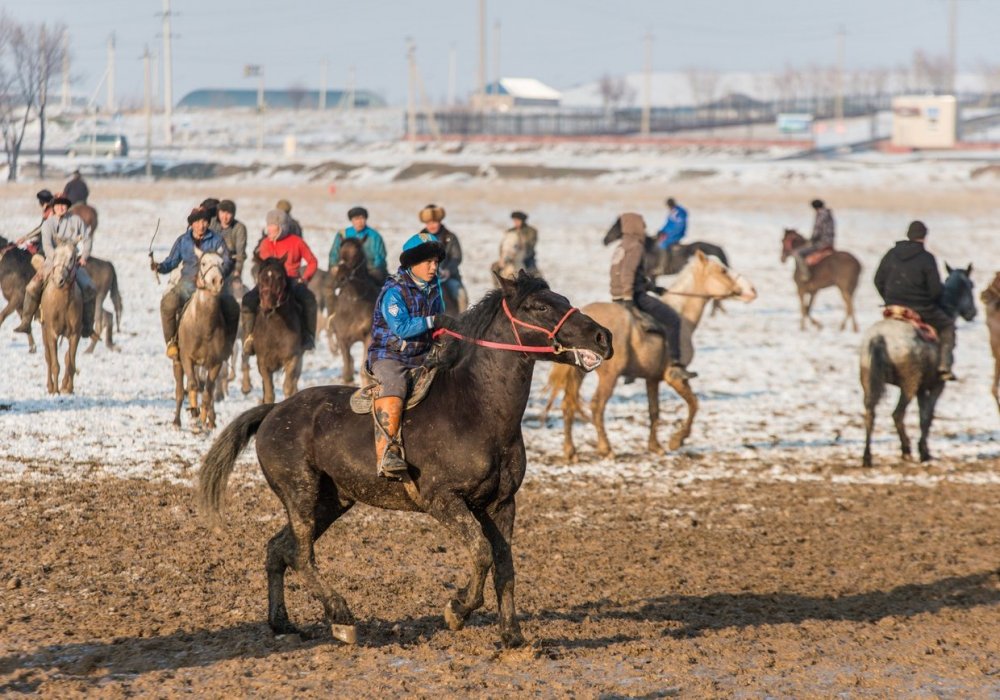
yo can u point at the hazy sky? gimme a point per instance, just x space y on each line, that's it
561 42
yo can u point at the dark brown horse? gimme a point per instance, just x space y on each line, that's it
277 330
15 273
463 442
839 269
350 296
105 280
991 299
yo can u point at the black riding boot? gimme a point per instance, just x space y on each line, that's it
89 295
946 338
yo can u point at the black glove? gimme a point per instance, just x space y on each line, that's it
660 291
443 321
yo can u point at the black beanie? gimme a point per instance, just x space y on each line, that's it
519 215
817 204
45 197
357 211
198 213
917 231
228 205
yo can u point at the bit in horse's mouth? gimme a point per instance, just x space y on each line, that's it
587 359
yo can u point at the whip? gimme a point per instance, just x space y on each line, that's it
155 231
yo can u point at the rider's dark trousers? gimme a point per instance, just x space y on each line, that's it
304 298
945 327
667 318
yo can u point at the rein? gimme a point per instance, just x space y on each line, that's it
555 348
696 295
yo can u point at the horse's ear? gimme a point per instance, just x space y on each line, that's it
700 254
968 270
507 287
283 258
948 268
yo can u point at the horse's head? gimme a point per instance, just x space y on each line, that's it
957 297
614 233
352 261
789 242
210 275
272 282
64 263
714 279
540 317
991 295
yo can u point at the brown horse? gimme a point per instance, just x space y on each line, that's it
991 299
87 213
350 298
15 273
62 316
102 274
638 353
277 330
204 343
840 270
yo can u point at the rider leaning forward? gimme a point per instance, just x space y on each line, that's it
408 309
199 236
60 227
279 242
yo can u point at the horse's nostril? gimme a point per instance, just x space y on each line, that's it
601 339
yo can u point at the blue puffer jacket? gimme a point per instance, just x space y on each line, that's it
183 252
674 228
401 326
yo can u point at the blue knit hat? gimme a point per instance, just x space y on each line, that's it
420 247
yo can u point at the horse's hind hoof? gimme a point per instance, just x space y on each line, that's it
453 619
348 634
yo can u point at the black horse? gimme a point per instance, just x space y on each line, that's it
658 261
463 442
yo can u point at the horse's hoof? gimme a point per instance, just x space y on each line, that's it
454 620
866 462
656 449
348 634
512 640
675 444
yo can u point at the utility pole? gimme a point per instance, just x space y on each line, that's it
154 61
349 97
838 105
65 71
168 81
952 45
452 65
147 104
647 83
411 91
496 53
482 52
260 110
111 74
325 66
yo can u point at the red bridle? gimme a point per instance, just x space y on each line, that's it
514 323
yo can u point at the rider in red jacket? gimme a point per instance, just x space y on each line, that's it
276 244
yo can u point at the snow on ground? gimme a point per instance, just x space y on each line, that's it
776 403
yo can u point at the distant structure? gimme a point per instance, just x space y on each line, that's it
506 93
222 98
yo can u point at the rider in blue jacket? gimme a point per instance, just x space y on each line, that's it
675 227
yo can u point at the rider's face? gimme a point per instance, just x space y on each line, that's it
225 218
198 228
433 226
273 231
60 209
359 223
426 270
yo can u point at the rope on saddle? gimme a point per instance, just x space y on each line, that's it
904 313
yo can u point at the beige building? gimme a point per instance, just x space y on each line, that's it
925 121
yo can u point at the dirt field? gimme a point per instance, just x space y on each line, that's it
725 589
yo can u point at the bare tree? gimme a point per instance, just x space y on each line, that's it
19 60
612 90
51 51
931 73
703 83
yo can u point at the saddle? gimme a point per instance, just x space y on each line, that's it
418 382
647 323
908 315
819 256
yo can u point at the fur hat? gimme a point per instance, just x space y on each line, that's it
917 231
277 217
817 204
228 205
61 199
284 205
420 247
199 213
519 215
432 212
45 197
357 211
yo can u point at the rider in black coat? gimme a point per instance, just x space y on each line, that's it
908 276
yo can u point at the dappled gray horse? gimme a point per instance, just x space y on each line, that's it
893 352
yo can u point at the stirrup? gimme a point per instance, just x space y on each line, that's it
947 375
682 373
392 466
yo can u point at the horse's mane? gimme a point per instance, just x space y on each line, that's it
4 242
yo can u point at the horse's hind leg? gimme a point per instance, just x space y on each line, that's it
499 528
809 316
927 400
848 296
996 380
653 399
898 417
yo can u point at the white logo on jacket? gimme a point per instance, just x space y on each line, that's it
393 310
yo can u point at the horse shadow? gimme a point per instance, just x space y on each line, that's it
129 656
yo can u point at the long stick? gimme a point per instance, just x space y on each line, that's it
155 231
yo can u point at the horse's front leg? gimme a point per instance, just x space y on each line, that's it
51 361
605 387
996 380
32 348
803 308
683 389
293 369
245 385
70 374
192 388
267 379
653 399
208 397
809 305
178 391
499 528
347 362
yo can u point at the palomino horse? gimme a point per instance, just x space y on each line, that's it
277 331
204 343
639 353
319 456
839 269
62 316
991 298
15 273
350 299
892 352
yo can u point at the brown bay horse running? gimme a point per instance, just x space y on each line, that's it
62 317
991 299
277 331
319 456
638 353
839 269
15 273
350 301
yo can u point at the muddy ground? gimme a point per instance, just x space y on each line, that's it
115 588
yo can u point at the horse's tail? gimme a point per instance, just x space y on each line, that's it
116 300
565 379
218 463
878 369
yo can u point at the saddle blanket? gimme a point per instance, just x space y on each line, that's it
419 380
904 313
819 256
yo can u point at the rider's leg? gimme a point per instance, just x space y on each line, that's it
801 265
945 327
388 414
89 294
231 317
248 316
308 306
32 298
170 308
671 323
457 291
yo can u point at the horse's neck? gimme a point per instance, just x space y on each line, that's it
689 308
